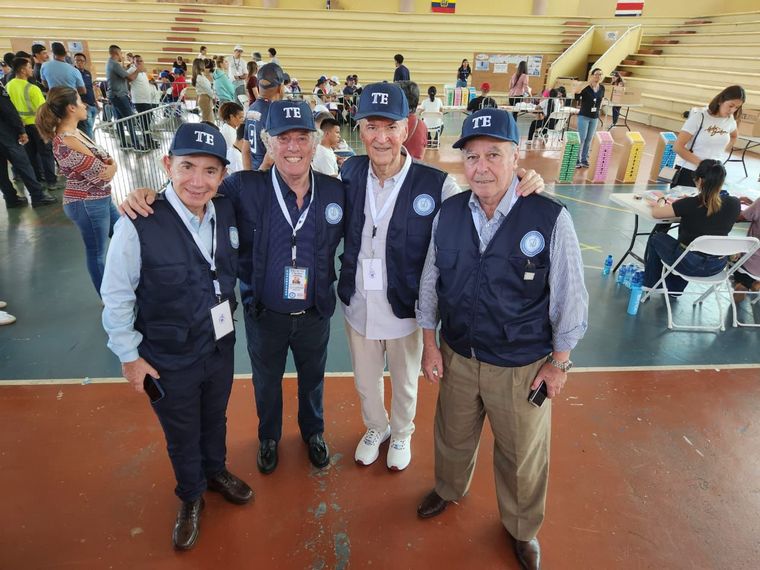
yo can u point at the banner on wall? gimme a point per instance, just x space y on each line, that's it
629 8
444 6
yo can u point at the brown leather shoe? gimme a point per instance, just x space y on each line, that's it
232 488
528 553
431 505
187 527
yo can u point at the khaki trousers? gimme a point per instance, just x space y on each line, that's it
471 390
207 108
368 358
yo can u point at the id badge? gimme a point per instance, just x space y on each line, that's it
593 109
296 282
530 272
221 316
372 271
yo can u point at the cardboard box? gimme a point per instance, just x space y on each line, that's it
621 95
749 122
572 86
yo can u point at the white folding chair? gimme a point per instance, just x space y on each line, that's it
710 245
554 135
750 294
243 100
434 122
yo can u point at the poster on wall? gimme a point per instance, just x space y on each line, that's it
500 68
629 8
481 65
534 65
444 7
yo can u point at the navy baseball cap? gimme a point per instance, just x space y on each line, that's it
270 75
383 100
494 123
289 115
199 138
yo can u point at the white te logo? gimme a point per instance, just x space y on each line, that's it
484 122
382 96
291 112
200 135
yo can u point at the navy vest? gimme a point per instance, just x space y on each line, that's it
254 219
485 302
175 292
408 231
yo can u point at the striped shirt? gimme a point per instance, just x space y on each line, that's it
568 298
82 171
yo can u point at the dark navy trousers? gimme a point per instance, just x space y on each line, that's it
270 335
193 415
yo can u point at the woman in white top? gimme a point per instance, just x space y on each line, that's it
432 104
144 96
232 116
709 132
204 89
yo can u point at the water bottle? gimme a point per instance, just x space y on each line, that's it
607 265
621 274
636 292
629 275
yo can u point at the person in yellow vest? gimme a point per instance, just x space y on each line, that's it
27 98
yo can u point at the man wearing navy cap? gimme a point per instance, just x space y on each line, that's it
391 201
506 277
168 315
271 83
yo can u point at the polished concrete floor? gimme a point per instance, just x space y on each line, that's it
652 442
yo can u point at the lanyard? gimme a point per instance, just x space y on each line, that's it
286 214
391 201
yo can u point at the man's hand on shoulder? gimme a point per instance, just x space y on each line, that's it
530 182
138 201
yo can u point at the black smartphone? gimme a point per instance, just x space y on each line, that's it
153 389
537 396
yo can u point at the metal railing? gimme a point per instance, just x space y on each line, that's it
138 142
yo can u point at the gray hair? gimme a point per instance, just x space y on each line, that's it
266 138
362 122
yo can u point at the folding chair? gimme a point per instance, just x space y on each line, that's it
710 245
434 122
750 294
559 126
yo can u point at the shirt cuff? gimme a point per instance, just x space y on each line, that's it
129 356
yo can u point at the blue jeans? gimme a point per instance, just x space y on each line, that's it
586 131
95 220
269 336
122 108
88 125
461 83
663 247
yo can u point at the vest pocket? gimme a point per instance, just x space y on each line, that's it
525 330
446 258
165 275
169 337
535 287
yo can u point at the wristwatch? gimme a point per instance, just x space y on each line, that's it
564 366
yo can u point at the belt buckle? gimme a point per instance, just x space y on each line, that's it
298 314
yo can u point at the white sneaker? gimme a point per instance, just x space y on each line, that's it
6 319
3 304
399 453
368 449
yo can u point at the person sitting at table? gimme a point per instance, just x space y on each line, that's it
743 278
548 106
484 101
706 214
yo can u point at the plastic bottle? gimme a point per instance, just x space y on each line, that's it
621 274
629 275
607 265
635 299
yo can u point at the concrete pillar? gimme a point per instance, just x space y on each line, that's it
539 7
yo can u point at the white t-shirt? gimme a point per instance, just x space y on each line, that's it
230 135
435 106
141 89
324 161
712 139
236 160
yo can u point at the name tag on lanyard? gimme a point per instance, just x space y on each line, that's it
221 316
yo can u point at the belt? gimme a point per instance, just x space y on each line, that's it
296 314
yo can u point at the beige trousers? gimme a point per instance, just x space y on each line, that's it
207 108
471 390
368 358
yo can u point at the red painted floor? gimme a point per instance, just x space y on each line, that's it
649 470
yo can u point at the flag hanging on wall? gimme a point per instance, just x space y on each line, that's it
629 8
444 6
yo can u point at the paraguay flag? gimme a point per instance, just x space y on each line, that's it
444 6
629 8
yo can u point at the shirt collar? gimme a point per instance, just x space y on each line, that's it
284 188
401 174
185 213
505 204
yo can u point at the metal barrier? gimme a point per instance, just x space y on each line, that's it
138 142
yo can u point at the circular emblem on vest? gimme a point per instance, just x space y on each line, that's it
532 243
234 239
424 205
333 213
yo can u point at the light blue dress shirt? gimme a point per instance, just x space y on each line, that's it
122 275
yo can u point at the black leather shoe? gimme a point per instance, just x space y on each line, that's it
319 455
232 488
17 203
432 505
45 200
528 553
266 461
187 527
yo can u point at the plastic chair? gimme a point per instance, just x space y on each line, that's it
750 294
710 245
557 132
434 122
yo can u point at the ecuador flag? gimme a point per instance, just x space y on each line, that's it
444 6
